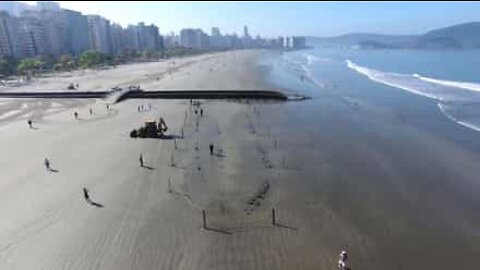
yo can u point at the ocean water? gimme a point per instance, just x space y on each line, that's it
450 79
389 143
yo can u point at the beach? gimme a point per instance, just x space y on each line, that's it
337 174
152 216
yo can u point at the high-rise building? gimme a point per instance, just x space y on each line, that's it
32 40
298 43
77 32
245 32
215 32
48 5
54 26
15 8
132 38
99 33
193 38
116 38
281 42
247 40
149 38
171 41
143 37
8 35
216 40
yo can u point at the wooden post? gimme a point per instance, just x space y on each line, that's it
204 214
181 131
273 216
175 143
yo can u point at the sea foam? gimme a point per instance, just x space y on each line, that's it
459 101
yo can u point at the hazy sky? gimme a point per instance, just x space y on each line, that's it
287 18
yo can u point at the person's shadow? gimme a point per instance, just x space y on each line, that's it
89 201
96 204
53 170
148 167
218 154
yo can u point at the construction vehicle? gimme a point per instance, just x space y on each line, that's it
150 130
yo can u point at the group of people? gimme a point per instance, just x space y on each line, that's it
196 112
141 108
90 111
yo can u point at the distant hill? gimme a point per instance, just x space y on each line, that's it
358 38
461 36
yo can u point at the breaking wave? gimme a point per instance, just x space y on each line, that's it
459 101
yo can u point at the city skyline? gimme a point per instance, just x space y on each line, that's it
282 18
49 29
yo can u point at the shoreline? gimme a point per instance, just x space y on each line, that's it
337 174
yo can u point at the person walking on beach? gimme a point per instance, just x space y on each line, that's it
30 123
86 196
75 114
342 260
90 111
211 149
141 160
46 162
201 112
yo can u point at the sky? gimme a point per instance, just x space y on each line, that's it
286 18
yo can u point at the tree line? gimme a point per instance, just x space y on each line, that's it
28 68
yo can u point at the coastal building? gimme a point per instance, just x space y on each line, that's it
215 32
32 40
245 31
99 33
193 38
116 38
216 40
298 43
8 35
149 37
47 29
76 32
171 40
143 37
247 40
14 8
54 27
48 5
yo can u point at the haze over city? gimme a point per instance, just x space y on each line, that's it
283 18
